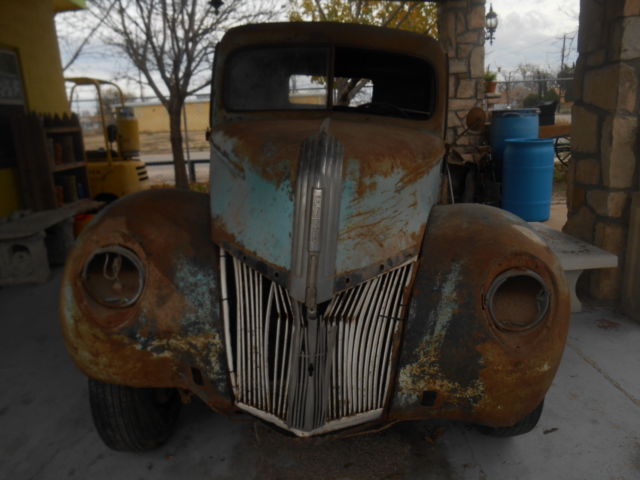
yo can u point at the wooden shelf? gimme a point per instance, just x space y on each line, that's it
556 130
68 166
62 130
41 140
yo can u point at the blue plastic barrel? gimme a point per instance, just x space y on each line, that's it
520 123
527 178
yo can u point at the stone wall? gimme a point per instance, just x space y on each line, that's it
461 34
604 134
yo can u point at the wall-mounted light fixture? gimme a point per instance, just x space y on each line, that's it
491 24
216 4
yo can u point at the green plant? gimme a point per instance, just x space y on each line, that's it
559 173
531 100
550 96
490 76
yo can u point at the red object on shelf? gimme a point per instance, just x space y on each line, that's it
81 221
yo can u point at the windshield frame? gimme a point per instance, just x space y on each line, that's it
329 106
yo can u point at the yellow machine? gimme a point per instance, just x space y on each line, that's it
114 173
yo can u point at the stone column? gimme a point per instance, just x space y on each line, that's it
604 134
461 34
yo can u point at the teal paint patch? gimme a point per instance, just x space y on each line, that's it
257 213
442 315
68 305
199 342
198 285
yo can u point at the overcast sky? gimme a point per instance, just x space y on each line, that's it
531 32
528 32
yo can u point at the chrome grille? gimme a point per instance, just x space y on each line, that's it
310 376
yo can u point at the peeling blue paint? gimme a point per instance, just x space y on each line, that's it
238 202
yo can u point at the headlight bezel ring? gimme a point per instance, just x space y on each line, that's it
523 281
130 259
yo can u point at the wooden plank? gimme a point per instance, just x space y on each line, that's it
53 130
39 221
34 168
68 166
557 130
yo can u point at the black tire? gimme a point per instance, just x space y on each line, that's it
133 419
523 426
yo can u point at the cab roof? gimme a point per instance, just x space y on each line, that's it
333 33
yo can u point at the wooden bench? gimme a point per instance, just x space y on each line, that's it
575 256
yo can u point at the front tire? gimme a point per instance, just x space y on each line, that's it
132 419
523 426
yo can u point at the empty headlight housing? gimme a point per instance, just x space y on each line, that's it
114 276
518 300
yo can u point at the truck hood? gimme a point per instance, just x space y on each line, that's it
327 202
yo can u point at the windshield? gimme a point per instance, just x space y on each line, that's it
298 78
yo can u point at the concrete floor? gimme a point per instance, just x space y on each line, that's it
590 428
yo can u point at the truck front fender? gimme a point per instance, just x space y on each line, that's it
469 351
171 334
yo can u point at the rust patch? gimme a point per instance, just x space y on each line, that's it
222 237
175 324
381 146
478 372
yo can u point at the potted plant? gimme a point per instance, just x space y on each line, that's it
490 82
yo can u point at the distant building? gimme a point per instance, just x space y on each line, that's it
152 116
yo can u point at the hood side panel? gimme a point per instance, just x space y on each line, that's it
389 224
249 211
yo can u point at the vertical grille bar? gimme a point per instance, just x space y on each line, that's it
303 374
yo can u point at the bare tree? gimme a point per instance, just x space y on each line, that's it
414 16
172 42
77 31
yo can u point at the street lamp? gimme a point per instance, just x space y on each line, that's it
216 4
491 24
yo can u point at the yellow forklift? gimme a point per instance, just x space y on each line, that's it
113 173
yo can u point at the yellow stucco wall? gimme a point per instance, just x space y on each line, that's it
154 118
9 197
62 5
27 26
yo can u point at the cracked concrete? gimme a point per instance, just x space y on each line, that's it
590 428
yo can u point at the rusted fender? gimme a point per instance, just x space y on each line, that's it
455 362
175 326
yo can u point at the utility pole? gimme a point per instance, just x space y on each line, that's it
562 55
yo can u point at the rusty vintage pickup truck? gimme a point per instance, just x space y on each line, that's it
319 287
